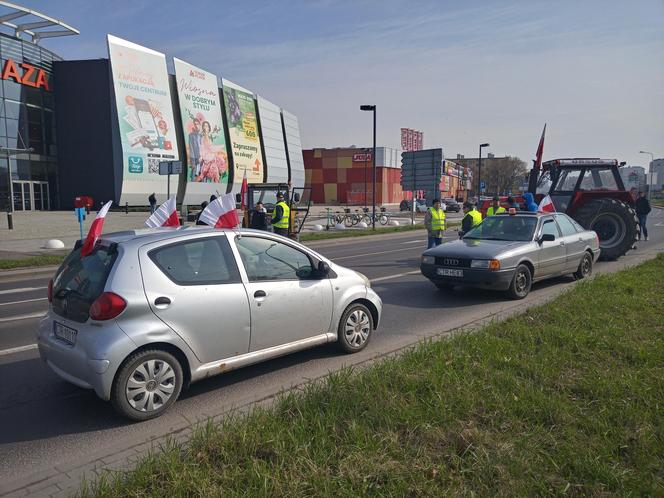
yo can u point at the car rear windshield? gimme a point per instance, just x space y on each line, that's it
79 281
513 228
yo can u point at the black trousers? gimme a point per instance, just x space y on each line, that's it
281 231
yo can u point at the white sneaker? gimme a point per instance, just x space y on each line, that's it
646 238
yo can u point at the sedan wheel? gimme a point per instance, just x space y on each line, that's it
521 283
585 267
147 384
355 328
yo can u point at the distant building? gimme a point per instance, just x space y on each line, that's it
658 167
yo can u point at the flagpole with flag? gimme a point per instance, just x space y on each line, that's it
95 230
537 167
165 216
221 213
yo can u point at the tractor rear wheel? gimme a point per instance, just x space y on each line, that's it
614 222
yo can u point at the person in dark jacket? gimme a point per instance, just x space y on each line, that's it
259 218
642 210
152 199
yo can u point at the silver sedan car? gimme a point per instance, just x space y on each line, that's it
511 251
150 311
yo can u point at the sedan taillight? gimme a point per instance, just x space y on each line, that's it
107 306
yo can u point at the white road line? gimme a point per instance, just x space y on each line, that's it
25 301
398 275
19 349
373 253
414 241
23 317
24 289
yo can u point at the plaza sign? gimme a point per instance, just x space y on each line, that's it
24 75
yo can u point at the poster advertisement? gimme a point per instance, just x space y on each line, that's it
203 127
243 131
145 118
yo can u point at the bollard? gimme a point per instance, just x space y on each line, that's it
126 208
10 220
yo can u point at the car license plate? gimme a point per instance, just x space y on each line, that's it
64 333
448 272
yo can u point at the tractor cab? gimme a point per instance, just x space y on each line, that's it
298 199
592 192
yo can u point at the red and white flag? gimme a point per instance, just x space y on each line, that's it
95 230
221 213
165 216
243 191
546 205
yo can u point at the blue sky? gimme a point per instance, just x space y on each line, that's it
462 72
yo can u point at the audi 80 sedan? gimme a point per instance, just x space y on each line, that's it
509 252
150 311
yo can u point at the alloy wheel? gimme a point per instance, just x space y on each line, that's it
150 385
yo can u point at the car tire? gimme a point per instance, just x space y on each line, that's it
355 328
585 268
521 282
161 374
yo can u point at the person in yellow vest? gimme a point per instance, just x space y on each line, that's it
472 218
434 221
281 216
495 207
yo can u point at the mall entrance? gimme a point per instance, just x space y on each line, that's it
31 196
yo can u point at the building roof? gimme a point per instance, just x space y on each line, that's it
22 21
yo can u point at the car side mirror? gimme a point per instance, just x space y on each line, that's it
323 269
547 237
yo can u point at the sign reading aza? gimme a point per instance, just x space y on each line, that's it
25 74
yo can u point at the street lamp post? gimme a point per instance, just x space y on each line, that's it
372 108
479 172
649 182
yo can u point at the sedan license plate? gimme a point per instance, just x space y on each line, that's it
448 272
64 333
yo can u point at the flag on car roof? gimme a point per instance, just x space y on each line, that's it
546 205
95 230
243 190
165 216
221 213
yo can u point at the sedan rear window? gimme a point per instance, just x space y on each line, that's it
512 228
79 281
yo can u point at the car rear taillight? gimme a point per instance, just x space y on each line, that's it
107 306
50 291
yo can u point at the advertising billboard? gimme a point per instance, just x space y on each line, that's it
208 167
244 143
272 136
145 119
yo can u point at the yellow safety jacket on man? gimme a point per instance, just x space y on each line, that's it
476 216
285 218
490 211
437 219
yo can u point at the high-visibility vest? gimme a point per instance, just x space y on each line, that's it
490 211
437 219
476 216
283 222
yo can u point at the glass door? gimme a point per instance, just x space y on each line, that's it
17 188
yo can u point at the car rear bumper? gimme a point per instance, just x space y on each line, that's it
86 363
485 279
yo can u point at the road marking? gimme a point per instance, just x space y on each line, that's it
23 317
19 349
24 289
415 241
390 277
373 253
25 301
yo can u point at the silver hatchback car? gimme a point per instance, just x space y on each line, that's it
150 311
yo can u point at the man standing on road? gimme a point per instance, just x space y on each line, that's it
472 219
259 218
495 207
281 216
434 221
152 199
642 210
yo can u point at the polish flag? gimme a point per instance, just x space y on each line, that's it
165 216
243 191
546 205
221 213
540 150
95 230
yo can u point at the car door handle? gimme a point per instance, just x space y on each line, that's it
162 301
260 293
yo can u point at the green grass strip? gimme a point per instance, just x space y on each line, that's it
565 399
45 260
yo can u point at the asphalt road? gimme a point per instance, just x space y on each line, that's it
45 421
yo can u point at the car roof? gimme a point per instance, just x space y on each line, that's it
143 236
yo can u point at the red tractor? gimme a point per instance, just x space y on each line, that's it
592 192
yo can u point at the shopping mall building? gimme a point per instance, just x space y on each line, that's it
104 128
